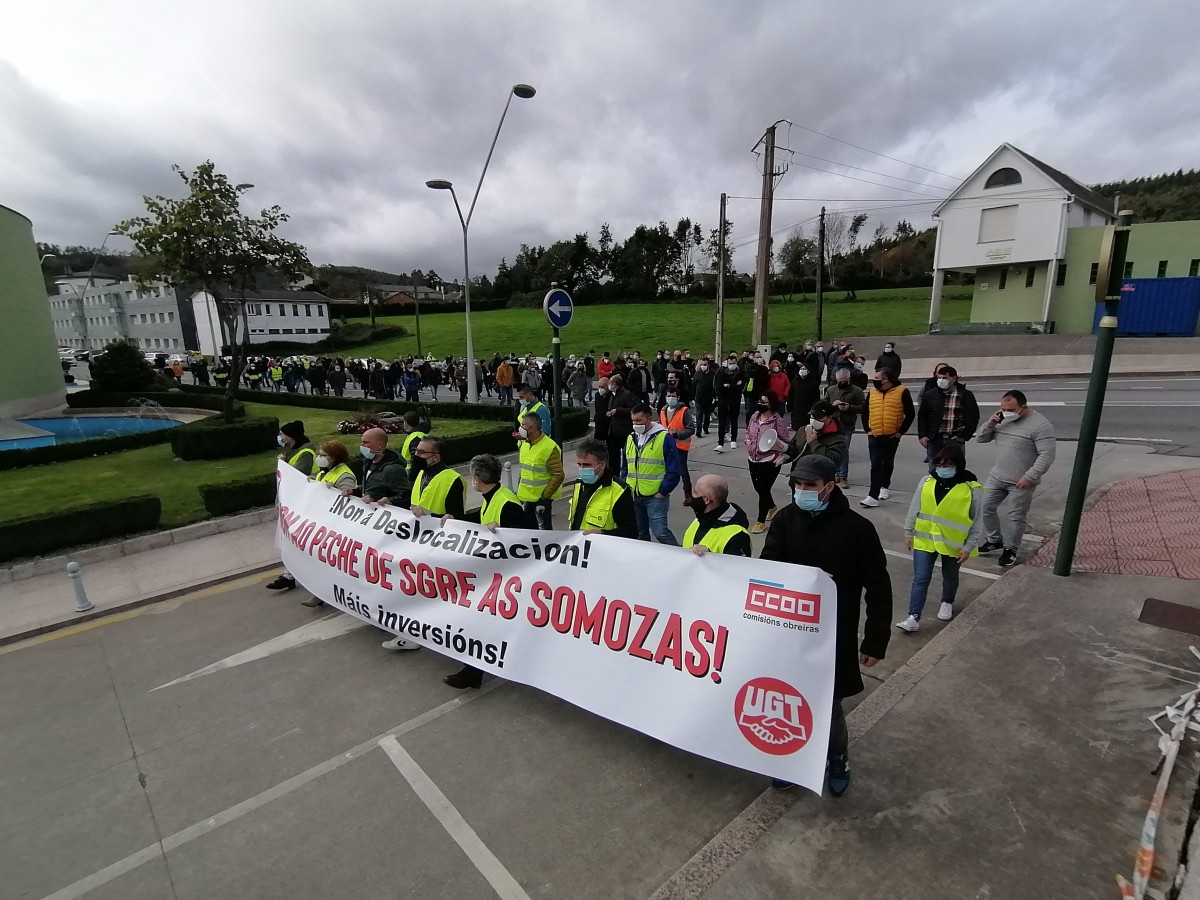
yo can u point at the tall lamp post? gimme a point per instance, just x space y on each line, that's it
523 91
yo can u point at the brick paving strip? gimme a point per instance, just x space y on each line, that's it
1145 526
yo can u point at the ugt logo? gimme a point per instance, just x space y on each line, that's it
776 601
773 716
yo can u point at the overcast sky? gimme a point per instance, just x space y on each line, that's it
645 110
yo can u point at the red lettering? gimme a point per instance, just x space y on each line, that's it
616 634
466 584
407 574
491 595
371 570
564 609
539 593
697 662
343 555
590 622
670 645
447 585
317 538
426 582
353 562
509 605
385 569
649 616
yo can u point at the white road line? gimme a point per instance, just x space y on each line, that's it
1145 440
963 569
456 826
199 829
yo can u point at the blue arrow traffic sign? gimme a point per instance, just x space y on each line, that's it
559 308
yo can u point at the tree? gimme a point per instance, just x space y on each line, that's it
643 264
121 369
798 256
205 240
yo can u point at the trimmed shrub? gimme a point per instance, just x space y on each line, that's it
121 368
343 338
37 456
234 496
217 439
487 411
41 535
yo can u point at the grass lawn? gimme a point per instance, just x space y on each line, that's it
154 470
648 327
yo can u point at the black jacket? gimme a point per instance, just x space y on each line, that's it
803 394
602 420
889 361
845 545
726 514
621 423
386 478
929 416
727 385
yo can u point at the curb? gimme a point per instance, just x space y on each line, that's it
94 614
53 565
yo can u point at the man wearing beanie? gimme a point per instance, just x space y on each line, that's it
300 454
819 529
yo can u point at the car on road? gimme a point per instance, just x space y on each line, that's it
74 355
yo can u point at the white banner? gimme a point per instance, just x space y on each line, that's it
726 657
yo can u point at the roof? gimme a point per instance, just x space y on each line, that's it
299 296
1078 190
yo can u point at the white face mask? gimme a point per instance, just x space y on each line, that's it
523 431
324 461
1009 414
639 429
816 424
888 349
803 373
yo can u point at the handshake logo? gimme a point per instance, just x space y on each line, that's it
773 716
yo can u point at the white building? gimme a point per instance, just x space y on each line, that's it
89 314
295 316
1010 218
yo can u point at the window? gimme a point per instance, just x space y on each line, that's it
175 343
308 309
1003 279
1029 277
295 309
282 310
171 318
1003 178
1061 278
145 318
1162 268
290 331
1095 271
998 223
1128 272
1194 268
272 331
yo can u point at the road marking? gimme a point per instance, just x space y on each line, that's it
233 813
962 569
321 630
1138 439
456 826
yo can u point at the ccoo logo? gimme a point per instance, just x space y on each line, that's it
773 716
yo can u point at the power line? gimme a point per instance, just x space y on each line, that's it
877 153
868 171
830 199
865 181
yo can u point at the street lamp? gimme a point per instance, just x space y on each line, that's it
523 91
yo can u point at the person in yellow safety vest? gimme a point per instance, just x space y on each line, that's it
334 472
944 522
600 504
414 430
299 453
887 415
677 418
530 404
540 483
500 509
438 491
720 526
652 471
276 373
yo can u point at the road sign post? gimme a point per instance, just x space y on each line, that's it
559 309
1113 247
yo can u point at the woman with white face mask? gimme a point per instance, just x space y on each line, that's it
333 471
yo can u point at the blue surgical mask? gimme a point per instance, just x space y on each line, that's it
588 476
672 402
945 471
809 501
366 451
279 440
943 383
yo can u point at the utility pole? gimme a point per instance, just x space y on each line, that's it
821 275
720 283
762 278
1113 247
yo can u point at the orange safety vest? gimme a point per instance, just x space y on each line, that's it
677 424
887 411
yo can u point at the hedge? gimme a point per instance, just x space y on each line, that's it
212 399
214 438
488 411
234 496
40 535
37 456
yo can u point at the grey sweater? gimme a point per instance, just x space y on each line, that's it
1024 447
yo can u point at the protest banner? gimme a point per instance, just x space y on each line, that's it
726 657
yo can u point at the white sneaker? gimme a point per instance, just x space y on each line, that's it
718 449
868 501
946 612
912 625
400 644
884 493
732 444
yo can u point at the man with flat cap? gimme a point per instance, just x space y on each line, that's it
819 529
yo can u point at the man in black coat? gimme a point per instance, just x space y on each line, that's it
949 414
819 529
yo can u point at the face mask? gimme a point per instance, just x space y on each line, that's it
804 373
763 407
732 367
523 431
602 391
820 349
858 366
878 384
775 370
697 505
324 462
279 440
888 349
809 501
366 451
943 383
588 476
791 358
945 471
701 368
672 402
816 424
639 429
1009 414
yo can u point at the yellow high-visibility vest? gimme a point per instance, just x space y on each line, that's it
943 527
647 464
535 470
312 460
332 475
492 509
599 512
432 494
406 449
714 539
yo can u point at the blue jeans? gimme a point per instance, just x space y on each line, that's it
843 471
923 563
651 515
